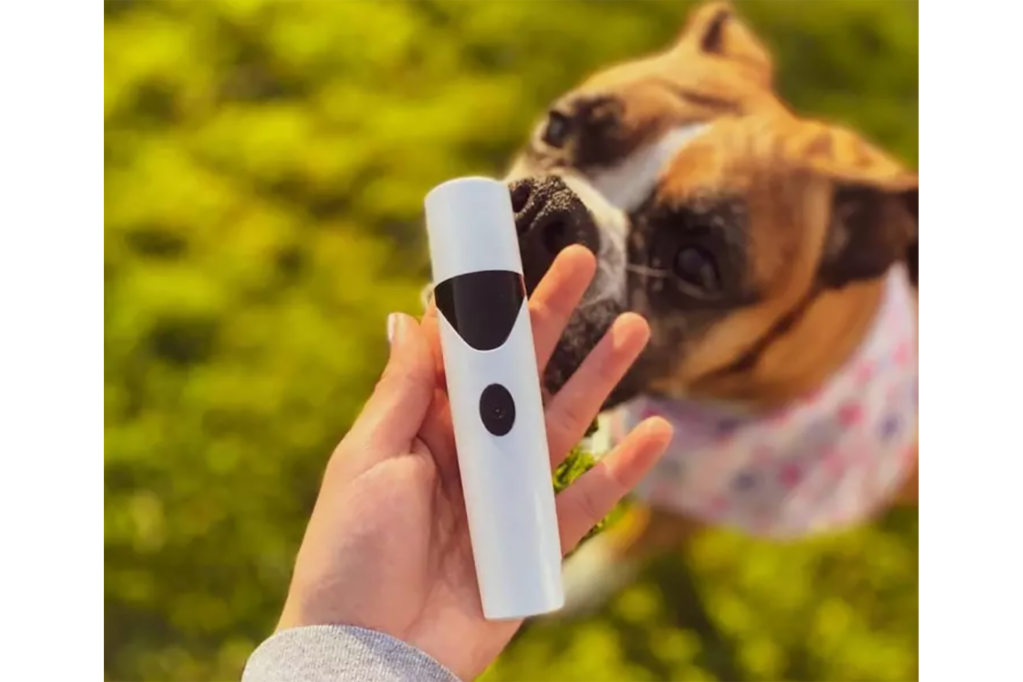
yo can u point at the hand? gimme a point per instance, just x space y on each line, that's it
387 547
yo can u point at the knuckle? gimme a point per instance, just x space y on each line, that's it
559 431
571 411
591 505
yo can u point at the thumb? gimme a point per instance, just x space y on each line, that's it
394 414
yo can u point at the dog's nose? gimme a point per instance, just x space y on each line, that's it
548 216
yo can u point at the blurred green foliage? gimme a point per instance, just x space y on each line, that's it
265 168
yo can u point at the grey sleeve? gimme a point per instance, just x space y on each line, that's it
338 653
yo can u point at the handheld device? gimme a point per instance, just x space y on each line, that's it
496 406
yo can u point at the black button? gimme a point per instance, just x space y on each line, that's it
497 409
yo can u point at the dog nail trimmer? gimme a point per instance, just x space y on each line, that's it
494 388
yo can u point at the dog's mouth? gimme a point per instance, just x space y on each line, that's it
591 207
551 213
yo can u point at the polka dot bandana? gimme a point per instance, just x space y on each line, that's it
825 462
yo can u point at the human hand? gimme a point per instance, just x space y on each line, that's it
387 547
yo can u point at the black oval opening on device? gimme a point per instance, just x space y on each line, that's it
497 409
482 306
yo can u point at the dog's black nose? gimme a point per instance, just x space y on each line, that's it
549 216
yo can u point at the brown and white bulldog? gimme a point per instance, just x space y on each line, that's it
775 259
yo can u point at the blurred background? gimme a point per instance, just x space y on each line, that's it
265 169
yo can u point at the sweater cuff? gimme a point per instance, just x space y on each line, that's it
339 653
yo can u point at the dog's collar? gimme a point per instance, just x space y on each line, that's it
826 461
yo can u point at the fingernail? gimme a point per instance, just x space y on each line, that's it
393 323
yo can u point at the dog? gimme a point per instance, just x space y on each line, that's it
775 258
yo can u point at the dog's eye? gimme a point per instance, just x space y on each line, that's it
556 131
697 267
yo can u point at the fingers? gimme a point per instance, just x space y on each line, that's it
556 298
393 415
595 493
550 306
570 413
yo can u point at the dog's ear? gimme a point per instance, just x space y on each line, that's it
714 30
874 206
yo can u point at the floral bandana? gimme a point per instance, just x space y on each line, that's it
825 462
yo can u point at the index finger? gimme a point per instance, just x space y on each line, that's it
550 306
556 298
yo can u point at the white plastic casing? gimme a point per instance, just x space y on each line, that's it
506 479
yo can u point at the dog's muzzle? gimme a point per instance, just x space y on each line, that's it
549 217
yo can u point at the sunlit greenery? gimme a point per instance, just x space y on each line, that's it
265 169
